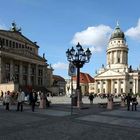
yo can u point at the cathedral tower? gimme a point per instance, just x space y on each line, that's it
117 51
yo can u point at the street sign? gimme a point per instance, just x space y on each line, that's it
71 70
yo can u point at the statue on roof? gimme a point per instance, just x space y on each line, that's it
44 55
15 28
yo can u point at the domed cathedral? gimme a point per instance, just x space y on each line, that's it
117 78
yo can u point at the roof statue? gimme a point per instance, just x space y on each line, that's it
44 55
15 28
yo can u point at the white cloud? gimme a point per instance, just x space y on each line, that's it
95 36
134 32
60 65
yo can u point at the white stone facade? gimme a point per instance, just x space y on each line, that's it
116 77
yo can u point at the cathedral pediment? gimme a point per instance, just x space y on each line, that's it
109 73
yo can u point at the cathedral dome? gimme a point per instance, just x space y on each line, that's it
117 33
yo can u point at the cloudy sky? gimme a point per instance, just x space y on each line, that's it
57 25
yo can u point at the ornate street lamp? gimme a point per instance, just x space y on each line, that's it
78 58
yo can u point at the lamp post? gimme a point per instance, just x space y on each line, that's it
78 58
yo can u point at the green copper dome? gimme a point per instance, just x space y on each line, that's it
117 33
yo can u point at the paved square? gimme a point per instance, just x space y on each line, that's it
116 117
51 112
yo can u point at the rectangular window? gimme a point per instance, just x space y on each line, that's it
13 44
25 69
10 43
39 81
7 76
17 68
32 80
16 78
32 71
22 46
16 45
7 67
19 45
40 72
3 41
6 42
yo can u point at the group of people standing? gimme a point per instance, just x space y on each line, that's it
131 101
20 99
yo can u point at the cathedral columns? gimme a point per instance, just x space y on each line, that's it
118 88
111 58
101 87
107 87
137 86
125 88
96 87
112 86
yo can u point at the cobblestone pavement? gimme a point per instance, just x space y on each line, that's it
57 123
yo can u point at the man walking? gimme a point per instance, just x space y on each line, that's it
128 99
33 99
20 99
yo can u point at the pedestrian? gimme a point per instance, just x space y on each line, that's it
42 104
134 102
7 99
91 97
128 99
1 96
109 101
33 99
122 100
47 101
20 100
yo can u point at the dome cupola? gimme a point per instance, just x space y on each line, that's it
117 33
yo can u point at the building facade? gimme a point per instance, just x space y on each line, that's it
117 77
20 61
86 84
58 86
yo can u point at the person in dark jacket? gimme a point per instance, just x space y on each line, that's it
134 102
33 99
91 97
128 99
